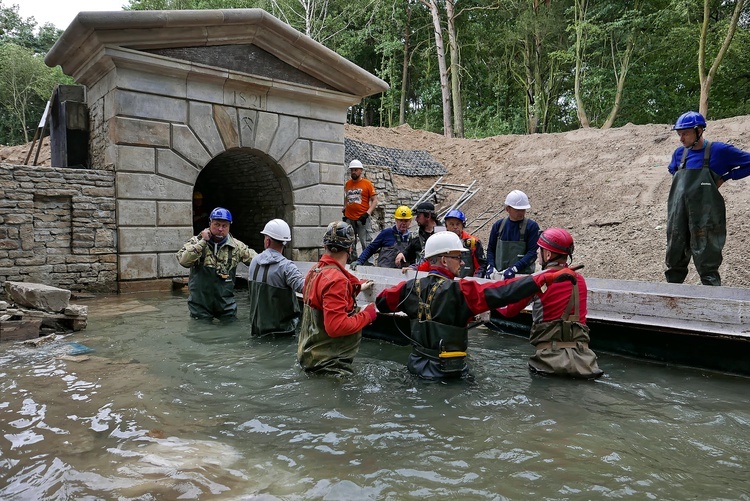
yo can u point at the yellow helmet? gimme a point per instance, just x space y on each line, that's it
403 212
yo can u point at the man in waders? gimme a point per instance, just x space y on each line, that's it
360 201
213 256
390 243
512 245
696 215
331 328
474 265
440 307
273 281
558 330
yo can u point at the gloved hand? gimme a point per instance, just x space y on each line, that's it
343 218
363 218
353 265
490 271
372 311
510 272
560 276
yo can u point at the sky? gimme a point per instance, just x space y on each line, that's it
60 12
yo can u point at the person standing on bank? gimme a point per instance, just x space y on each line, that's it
390 243
513 240
331 328
213 256
426 220
474 265
273 281
558 330
440 307
696 215
360 200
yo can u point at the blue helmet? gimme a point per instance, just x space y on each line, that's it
220 213
689 120
457 214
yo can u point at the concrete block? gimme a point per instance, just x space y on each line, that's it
151 186
226 123
186 143
204 127
136 213
331 213
307 175
137 132
134 159
265 130
307 215
332 153
321 131
137 266
333 173
308 236
296 156
145 240
159 84
170 267
286 134
174 213
138 104
315 194
248 123
204 88
171 165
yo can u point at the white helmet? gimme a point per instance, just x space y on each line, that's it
518 200
355 164
443 242
278 230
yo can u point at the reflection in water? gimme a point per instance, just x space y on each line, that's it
166 407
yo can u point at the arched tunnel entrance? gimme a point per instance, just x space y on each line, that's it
251 185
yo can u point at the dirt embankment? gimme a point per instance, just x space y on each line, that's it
607 187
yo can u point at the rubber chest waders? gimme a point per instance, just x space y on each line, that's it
317 351
212 289
696 223
508 253
442 343
273 310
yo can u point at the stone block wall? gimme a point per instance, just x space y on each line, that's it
57 227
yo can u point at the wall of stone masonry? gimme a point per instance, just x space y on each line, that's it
57 227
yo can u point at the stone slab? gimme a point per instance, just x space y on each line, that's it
137 266
136 213
19 330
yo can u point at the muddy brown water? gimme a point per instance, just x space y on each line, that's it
170 408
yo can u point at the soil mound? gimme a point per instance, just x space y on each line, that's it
607 187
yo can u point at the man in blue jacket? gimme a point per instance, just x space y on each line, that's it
391 243
696 215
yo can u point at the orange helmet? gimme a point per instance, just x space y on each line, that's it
556 240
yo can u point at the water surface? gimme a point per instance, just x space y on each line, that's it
171 408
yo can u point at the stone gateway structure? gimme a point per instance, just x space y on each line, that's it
232 107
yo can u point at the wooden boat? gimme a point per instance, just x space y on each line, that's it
691 325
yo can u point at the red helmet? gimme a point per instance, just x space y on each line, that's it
556 240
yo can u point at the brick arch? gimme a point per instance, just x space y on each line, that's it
252 186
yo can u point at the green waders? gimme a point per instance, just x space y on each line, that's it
274 311
508 253
696 223
212 292
319 353
562 346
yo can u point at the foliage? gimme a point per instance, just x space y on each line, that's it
26 83
517 59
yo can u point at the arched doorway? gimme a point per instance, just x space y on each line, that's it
251 185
